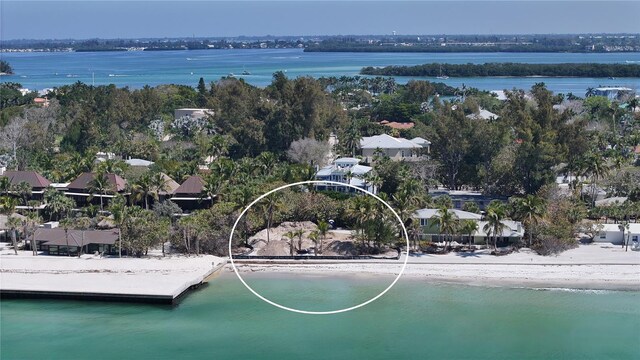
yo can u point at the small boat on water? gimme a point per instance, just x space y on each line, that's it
231 75
442 77
246 72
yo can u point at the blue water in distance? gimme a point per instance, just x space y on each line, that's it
415 320
138 68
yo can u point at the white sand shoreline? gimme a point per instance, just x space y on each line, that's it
596 267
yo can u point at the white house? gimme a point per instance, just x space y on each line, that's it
612 92
395 148
483 114
347 171
192 112
513 231
611 233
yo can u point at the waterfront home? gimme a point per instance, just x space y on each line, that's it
84 190
394 148
57 241
612 233
512 232
347 171
613 92
190 194
460 197
36 182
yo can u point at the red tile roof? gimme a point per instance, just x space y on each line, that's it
82 182
34 179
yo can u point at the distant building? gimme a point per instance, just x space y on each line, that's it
139 162
397 125
613 92
483 114
460 197
394 148
192 112
346 171
36 181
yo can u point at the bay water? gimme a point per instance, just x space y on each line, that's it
40 70
414 320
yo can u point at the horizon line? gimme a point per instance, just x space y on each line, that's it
319 35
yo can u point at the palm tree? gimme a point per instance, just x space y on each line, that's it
590 92
299 233
99 185
142 189
82 223
531 209
315 237
212 187
469 227
32 222
59 205
362 210
595 166
291 235
5 185
447 222
267 160
159 183
323 229
494 226
8 205
270 204
66 224
23 189
13 223
118 209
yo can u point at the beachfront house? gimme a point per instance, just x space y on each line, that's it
512 232
85 189
347 171
190 195
612 233
36 182
394 148
57 241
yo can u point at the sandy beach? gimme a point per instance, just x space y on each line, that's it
595 266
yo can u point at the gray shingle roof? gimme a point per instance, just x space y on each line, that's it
385 141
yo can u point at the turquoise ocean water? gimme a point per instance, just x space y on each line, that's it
139 68
415 320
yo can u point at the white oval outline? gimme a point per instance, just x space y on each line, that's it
233 230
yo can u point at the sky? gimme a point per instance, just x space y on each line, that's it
52 19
